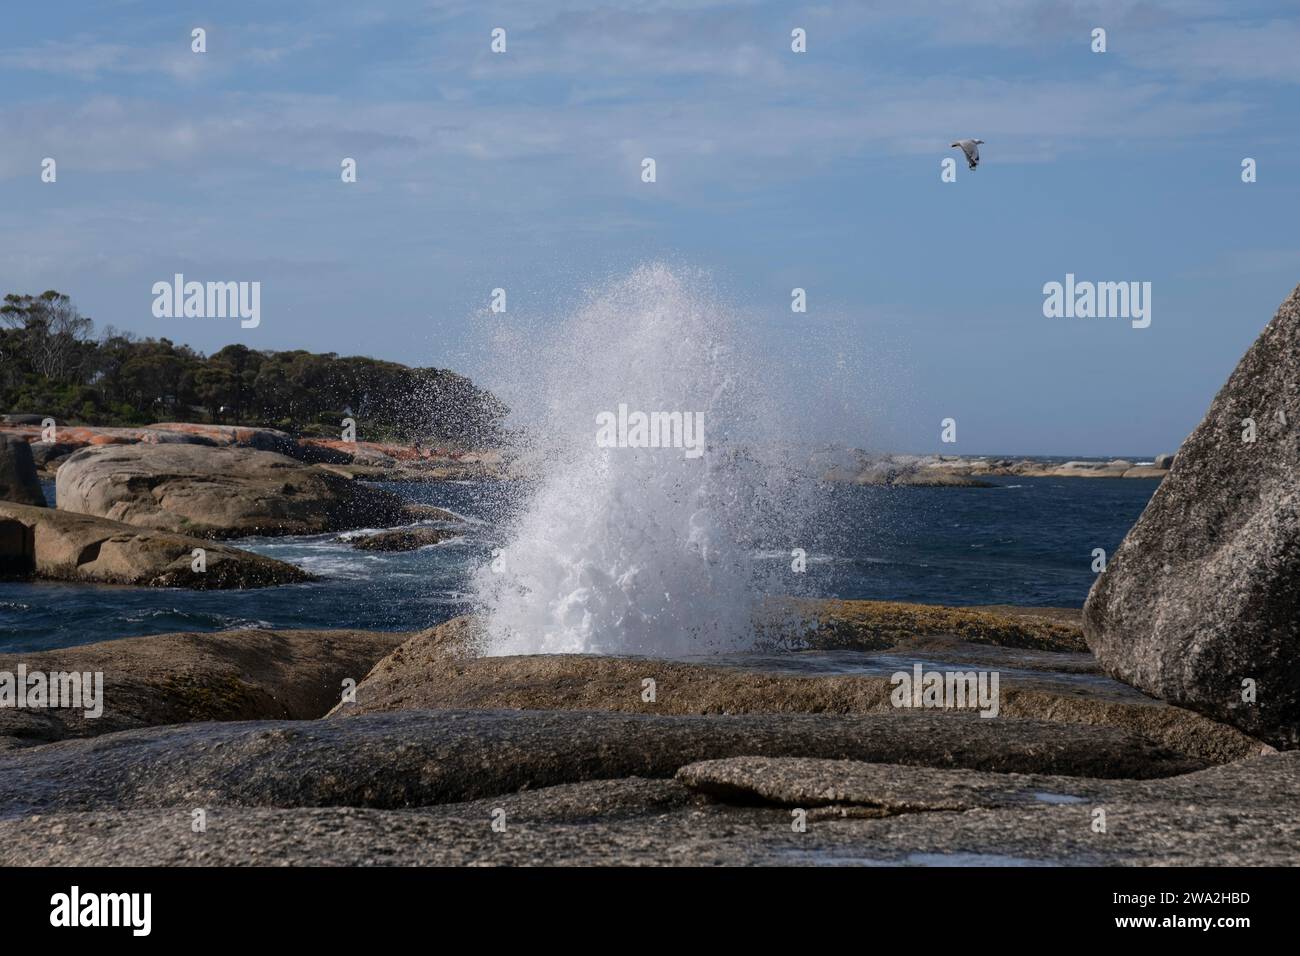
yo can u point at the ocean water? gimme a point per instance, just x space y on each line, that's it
1027 542
673 547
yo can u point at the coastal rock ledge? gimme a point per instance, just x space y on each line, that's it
1200 605
58 546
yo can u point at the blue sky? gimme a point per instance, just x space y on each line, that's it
775 170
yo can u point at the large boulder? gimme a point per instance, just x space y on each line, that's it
18 481
59 546
1199 605
219 492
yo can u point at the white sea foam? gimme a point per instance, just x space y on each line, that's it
644 550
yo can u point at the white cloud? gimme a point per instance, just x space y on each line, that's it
87 59
1226 50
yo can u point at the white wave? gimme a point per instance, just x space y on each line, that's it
644 550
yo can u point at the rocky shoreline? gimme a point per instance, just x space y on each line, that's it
372 461
1157 727
972 471
390 462
1223 816
157 514
586 770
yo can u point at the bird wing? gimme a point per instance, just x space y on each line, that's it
971 150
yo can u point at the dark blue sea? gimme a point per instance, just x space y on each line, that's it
1028 541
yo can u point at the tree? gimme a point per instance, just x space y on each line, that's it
50 365
55 333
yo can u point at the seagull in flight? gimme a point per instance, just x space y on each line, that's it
971 147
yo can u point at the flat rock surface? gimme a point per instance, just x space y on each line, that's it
887 788
416 758
1226 816
874 625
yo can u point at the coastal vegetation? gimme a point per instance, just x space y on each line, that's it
52 363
